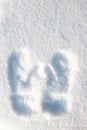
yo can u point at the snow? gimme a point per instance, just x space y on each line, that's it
43 64
36 87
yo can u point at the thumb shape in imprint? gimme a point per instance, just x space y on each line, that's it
21 70
61 73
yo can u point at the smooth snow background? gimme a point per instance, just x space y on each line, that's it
44 26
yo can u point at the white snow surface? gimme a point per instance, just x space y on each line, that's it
44 27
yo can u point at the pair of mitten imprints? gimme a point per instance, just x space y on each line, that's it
41 88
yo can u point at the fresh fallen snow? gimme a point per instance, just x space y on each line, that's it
34 92
43 64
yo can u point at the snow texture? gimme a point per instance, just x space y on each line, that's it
54 64
32 90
